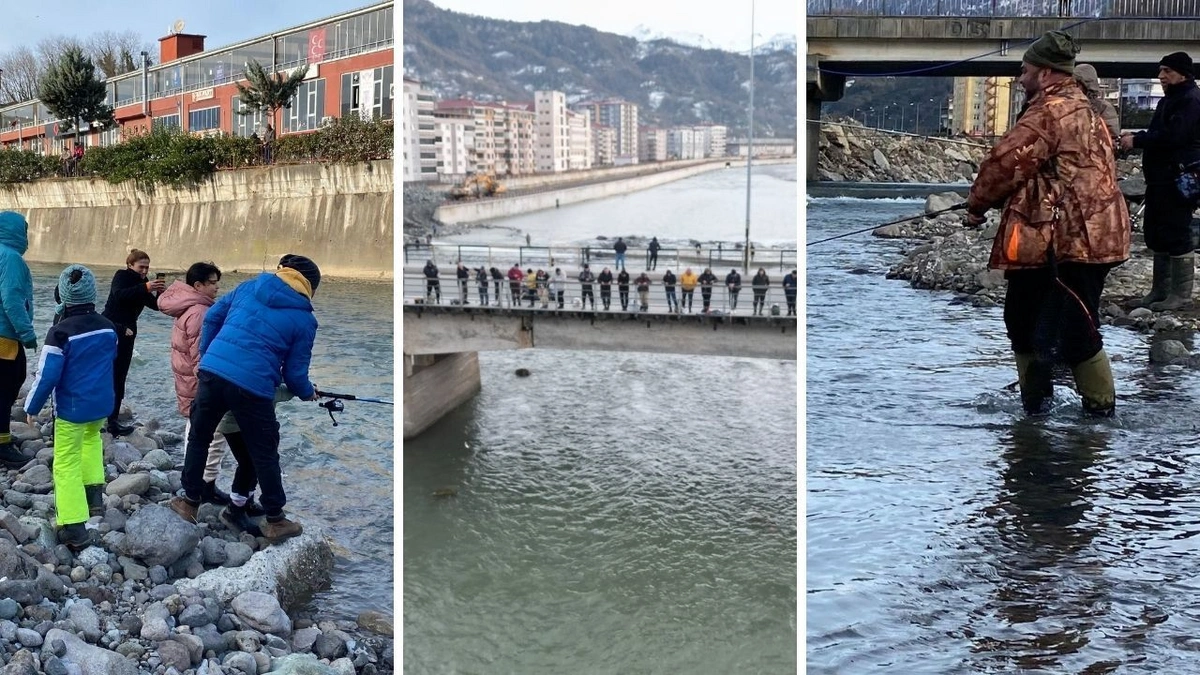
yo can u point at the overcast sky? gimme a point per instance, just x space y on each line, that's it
223 21
725 23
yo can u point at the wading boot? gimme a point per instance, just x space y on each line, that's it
75 536
1182 270
1094 379
95 499
213 495
278 528
238 518
185 507
12 457
1158 285
1037 384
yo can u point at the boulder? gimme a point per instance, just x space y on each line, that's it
159 536
90 659
261 611
300 664
128 484
292 571
941 201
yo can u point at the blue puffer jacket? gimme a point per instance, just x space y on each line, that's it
77 365
259 335
16 283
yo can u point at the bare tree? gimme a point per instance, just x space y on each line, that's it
116 53
22 72
51 49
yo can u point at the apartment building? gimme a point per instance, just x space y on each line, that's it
652 144
983 106
622 116
604 139
553 136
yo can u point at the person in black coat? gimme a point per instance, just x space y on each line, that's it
707 279
481 277
131 292
759 284
464 277
1172 140
433 287
733 282
654 248
669 285
623 290
605 279
789 292
497 277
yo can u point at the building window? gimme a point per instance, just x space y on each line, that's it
244 126
204 119
166 122
308 107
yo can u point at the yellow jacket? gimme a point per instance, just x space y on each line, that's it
688 281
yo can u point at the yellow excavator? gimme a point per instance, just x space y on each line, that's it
477 185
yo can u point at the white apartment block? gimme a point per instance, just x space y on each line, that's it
580 140
418 133
715 136
622 116
553 137
455 145
652 144
605 141
504 136
686 143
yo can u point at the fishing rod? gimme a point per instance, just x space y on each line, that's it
956 207
334 404
899 133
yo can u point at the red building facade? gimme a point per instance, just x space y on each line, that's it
350 63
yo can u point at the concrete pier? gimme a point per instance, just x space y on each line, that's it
435 384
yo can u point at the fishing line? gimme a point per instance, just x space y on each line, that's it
956 207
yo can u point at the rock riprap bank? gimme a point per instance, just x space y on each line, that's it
157 594
949 256
851 152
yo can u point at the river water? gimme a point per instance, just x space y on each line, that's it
614 512
337 479
946 533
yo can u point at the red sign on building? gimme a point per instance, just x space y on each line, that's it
316 45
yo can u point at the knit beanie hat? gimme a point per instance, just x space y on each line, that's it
1179 62
77 286
1055 50
304 266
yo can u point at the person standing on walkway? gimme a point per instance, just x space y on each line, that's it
1064 226
585 286
559 286
623 290
497 277
687 286
733 282
643 289
464 279
759 284
433 287
481 278
16 327
707 279
255 338
76 365
605 279
1171 141
619 249
653 248
187 302
543 287
669 286
531 286
789 292
515 279
131 292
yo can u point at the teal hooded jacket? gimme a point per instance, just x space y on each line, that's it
16 283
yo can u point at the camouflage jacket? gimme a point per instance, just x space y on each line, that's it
1054 177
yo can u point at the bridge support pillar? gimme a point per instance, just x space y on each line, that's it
436 384
820 86
812 137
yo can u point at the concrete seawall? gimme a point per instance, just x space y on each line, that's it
341 215
501 207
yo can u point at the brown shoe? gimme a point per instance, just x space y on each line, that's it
185 508
276 531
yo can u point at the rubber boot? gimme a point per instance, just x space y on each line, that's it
1182 271
1158 286
1094 379
12 457
75 536
1037 384
95 499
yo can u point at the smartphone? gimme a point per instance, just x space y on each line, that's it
160 275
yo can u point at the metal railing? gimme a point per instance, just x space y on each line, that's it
636 260
506 294
1128 9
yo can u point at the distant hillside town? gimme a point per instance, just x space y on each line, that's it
445 140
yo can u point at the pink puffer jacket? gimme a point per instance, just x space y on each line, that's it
188 307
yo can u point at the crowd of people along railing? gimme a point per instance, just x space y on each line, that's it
720 255
1097 9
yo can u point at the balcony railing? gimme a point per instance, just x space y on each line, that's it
1126 9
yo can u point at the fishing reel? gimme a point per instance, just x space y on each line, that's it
333 405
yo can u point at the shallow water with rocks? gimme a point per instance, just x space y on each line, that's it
159 595
948 533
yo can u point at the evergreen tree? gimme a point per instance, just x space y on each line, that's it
269 92
71 91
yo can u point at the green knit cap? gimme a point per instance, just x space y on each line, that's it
1055 50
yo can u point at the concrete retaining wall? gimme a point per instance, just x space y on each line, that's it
501 207
437 385
339 215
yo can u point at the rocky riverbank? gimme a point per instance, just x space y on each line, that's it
157 594
950 256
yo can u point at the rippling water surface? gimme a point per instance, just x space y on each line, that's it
339 479
948 534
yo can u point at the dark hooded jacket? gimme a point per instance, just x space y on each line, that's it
1174 134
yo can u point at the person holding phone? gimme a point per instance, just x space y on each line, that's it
131 292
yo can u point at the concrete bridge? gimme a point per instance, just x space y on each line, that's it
958 38
442 340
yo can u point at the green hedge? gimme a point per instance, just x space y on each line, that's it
171 157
